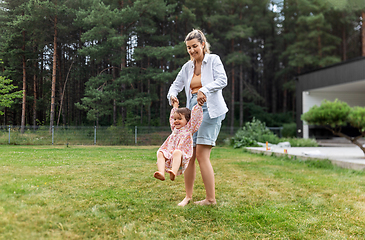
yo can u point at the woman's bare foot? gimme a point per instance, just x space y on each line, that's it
206 202
184 202
172 175
159 176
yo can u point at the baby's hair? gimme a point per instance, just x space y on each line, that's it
199 35
185 112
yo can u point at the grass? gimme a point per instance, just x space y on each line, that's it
78 192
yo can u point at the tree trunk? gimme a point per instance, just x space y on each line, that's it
62 73
114 101
24 88
62 93
149 91
285 95
40 87
122 65
54 71
232 92
353 140
163 100
274 93
241 85
363 34
60 84
5 116
141 104
35 97
241 95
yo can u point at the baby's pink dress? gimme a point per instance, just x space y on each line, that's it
182 139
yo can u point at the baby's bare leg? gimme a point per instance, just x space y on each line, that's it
160 174
176 163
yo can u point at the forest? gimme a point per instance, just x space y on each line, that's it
111 62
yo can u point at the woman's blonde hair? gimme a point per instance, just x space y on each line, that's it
199 35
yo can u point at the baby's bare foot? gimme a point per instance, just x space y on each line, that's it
206 202
184 202
172 175
159 176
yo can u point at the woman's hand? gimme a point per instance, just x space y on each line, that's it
175 102
201 98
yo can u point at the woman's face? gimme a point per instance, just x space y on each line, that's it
195 49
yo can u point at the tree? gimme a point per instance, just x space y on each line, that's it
334 115
129 52
7 95
114 34
315 44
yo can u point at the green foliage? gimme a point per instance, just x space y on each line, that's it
253 132
256 131
253 110
314 35
300 142
333 114
357 118
7 95
139 44
289 130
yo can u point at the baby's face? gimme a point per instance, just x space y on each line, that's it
179 120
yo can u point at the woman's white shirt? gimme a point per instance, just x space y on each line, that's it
213 79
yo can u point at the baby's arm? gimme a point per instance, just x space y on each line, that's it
175 104
173 110
196 118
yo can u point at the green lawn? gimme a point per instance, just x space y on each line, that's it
49 192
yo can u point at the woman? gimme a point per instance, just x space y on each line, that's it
203 78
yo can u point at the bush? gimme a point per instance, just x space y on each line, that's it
256 131
253 132
289 130
300 142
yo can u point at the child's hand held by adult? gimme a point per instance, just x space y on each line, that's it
174 99
175 104
201 98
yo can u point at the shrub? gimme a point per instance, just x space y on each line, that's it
289 130
256 131
301 142
253 132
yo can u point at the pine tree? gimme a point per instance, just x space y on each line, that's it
315 44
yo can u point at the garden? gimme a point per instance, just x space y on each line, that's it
108 192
